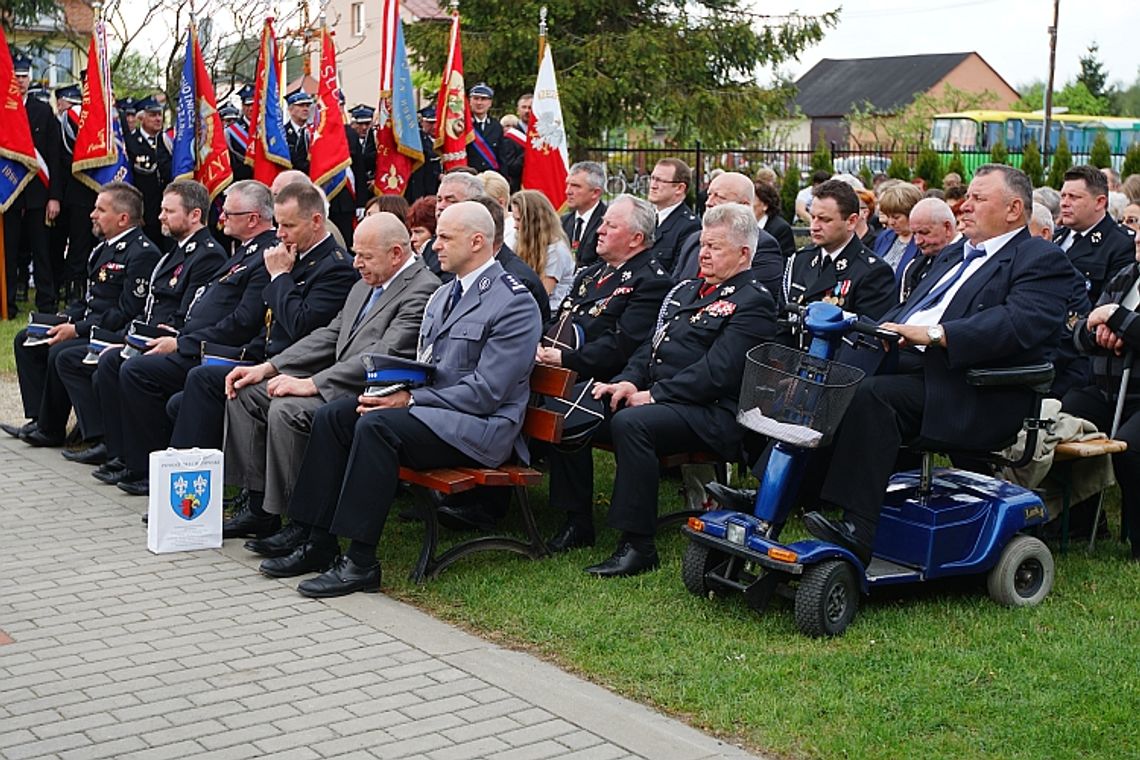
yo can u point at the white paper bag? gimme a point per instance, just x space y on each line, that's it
185 509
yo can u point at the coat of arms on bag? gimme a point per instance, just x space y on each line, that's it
190 493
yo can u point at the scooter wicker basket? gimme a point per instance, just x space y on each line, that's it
794 397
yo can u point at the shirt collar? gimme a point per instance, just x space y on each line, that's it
585 215
664 213
833 254
119 237
995 244
468 280
301 256
411 260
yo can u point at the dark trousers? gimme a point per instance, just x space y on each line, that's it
106 385
349 477
885 413
145 385
40 386
72 242
29 224
79 380
640 436
1097 407
200 411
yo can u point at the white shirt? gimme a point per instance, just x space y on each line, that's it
933 315
468 280
585 216
833 254
663 214
762 221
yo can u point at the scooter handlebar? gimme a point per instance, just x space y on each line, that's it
873 330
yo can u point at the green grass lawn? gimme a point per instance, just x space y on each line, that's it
937 671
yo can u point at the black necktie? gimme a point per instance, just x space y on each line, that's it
825 262
453 300
577 231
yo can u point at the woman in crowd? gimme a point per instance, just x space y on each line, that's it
766 206
421 223
541 243
896 244
863 228
393 204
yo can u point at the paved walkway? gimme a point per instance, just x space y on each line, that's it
109 651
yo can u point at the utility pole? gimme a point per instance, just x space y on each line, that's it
1049 86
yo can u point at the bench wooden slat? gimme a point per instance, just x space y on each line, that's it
444 480
487 477
1086 449
543 424
522 476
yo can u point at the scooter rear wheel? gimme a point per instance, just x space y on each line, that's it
827 599
1024 574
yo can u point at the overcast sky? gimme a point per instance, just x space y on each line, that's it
1011 35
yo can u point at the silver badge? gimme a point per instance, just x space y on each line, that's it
626 275
484 283
814 261
120 245
840 265
252 248
140 287
1095 237
728 290
191 246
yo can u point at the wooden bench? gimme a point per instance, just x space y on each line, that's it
1067 453
541 425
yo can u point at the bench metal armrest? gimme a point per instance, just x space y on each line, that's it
1035 377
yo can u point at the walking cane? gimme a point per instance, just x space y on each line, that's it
1124 378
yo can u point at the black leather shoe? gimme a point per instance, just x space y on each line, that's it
838 532
625 562
19 431
39 438
245 524
309 557
96 454
110 472
133 483
739 499
343 578
465 517
280 544
571 536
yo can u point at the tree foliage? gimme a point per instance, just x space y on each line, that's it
898 168
1062 161
956 164
929 166
688 67
789 189
999 154
911 125
821 158
1100 154
1092 74
1031 164
1131 160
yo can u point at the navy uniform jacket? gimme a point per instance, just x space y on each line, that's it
363 154
48 141
298 142
857 281
587 251
150 169
778 227
1009 313
177 276
1099 254
616 316
671 235
229 309
492 132
483 353
241 169
696 357
1107 367
308 296
425 180
118 278
768 262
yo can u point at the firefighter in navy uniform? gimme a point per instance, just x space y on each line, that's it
425 180
1096 245
486 151
119 271
71 236
297 129
191 263
837 268
677 393
362 148
149 152
237 136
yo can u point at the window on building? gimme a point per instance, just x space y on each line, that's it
358 19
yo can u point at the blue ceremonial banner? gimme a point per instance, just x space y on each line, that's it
405 123
200 151
268 151
182 156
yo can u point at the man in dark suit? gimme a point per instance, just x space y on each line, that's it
470 415
768 216
149 151
71 237
237 137
934 228
118 274
1096 244
584 186
1002 303
486 150
768 261
297 129
678 392
300 286
362 148
837 268
668 185
37 205
271 405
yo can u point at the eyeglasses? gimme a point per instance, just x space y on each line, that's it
663 181
236 213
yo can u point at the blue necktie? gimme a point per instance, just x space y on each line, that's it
376 291
938 291
453 300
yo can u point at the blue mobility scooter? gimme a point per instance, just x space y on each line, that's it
934 524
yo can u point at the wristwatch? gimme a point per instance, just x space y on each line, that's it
935 334
411 400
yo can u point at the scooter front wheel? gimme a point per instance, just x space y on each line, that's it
695 565
827 599
1024 574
